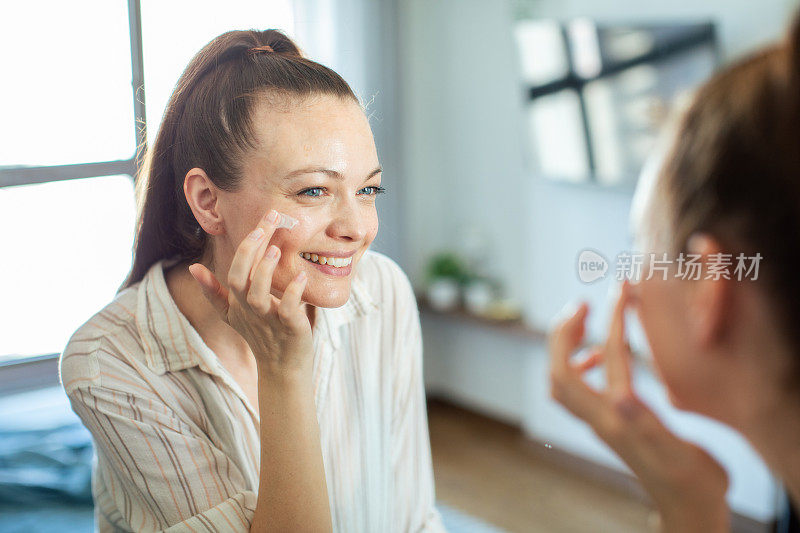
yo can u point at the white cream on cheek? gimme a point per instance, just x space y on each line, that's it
286 222
290 242
298 238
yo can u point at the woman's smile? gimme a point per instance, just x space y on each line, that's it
331 263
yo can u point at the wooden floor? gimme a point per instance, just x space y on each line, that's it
489 470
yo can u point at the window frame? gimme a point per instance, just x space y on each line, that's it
42 370
697 34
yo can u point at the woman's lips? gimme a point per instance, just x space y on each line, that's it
332 270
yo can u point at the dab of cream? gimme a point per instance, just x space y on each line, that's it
285 221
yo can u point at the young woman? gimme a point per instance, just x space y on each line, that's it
248 377
725 347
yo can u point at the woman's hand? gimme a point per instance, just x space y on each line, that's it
687 485
277 330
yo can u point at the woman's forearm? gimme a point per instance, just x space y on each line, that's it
292 492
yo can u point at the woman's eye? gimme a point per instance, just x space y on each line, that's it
313 192
371 191
316 192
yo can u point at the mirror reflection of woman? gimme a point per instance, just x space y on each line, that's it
725 348
248 377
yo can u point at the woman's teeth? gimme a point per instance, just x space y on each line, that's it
332 261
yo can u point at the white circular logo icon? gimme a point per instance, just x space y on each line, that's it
591 266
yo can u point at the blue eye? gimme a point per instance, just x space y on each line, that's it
313 192
372 191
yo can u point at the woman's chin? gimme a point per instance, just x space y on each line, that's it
327 299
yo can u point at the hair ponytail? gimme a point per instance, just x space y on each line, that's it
207 125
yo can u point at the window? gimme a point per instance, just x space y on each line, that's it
73 247
69 138
172 32
66 83
598 94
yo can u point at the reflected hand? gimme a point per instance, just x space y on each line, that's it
687 485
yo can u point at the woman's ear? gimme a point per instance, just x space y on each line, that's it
203 199
709 296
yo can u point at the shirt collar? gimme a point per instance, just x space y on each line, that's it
171 343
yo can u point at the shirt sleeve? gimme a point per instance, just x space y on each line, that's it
412 465
162 474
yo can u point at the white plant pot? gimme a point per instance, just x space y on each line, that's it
478 295
443 294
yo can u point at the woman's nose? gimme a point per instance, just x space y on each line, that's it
348 223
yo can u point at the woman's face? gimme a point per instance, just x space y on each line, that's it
664 305
315 161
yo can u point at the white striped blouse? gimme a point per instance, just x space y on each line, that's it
177 441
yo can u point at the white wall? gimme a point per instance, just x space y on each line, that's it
465 161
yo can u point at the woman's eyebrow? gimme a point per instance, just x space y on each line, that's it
330 172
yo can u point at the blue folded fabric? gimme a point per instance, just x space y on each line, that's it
45 452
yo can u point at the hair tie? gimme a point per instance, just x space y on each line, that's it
260 49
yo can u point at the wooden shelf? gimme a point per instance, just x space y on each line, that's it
512 327
515 328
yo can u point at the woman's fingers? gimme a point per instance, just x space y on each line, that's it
593 359
241 268
289 310
566 337
566 385
577 397
617 351
239 273
259 296
271 220
212 289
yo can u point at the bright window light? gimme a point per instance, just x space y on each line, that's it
71 243
173 32
66 91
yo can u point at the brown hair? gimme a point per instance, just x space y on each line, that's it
734 169
207 124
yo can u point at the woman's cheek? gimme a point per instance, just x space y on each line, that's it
295 240
372 227
654 308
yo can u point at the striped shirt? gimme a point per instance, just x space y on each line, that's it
177 442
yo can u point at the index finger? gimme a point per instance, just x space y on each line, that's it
617 352
566 384
247 255
566 337
270 224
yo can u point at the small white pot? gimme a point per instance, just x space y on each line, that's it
478 295
443 294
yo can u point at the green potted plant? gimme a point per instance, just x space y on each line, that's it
446 272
